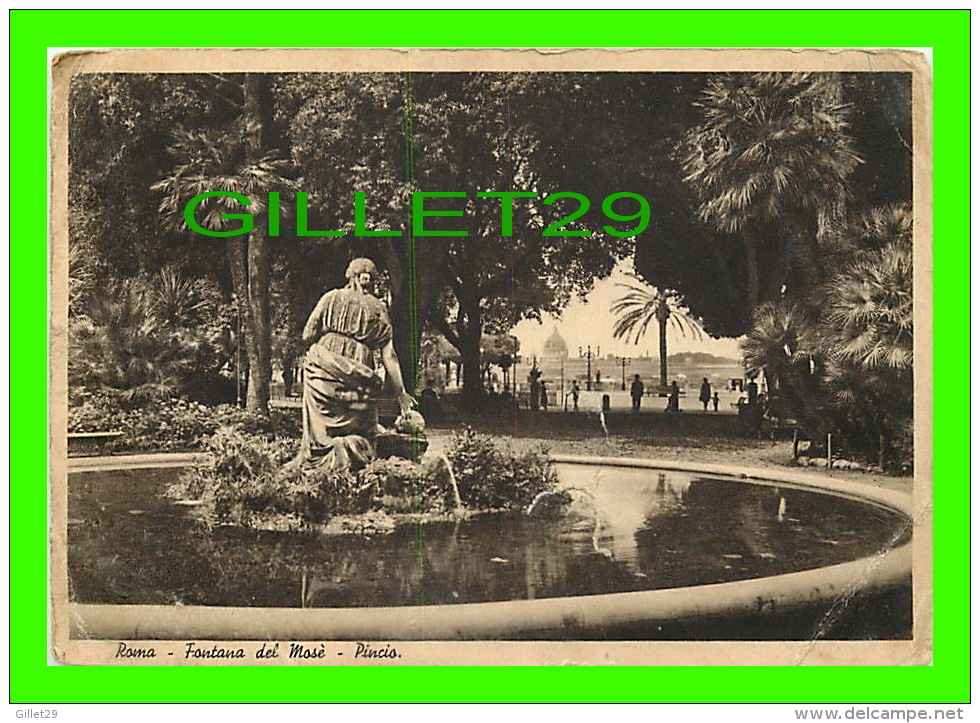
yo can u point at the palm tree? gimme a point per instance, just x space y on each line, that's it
781 339
121 345
773 147
784 346
843 362
234 160
871 309
869 332
640 306
214 160
83 274
177 300
150 337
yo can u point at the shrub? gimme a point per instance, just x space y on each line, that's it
841 360
93 412
169 425
490 476
407 486
151 337
246 482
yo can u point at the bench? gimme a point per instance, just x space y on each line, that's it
799 435
87 444
784 428
658 392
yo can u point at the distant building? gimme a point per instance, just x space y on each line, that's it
555 348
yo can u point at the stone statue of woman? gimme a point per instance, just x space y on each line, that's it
340 385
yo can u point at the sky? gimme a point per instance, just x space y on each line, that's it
590 322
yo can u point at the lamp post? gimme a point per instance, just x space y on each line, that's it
565 398
588 364
484 372
626 363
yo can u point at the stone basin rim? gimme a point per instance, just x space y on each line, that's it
512 619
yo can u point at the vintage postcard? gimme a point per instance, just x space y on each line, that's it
515 356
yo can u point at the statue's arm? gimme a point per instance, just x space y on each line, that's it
389 358
312 330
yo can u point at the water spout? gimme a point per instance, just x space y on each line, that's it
541 496
440 456
596 512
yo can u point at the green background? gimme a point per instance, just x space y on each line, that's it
32 32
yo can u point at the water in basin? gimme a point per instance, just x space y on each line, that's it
127 544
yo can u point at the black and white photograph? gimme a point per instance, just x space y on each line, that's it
482 357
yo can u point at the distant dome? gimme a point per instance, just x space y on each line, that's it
555 347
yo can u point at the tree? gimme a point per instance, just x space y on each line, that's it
121 127
499 128
772 148
235 160
499 350
784 346
871 308
122 346
640 306
125 123
395 134
150 337
841 361
436 358
707 266
287 336
352 133
868 331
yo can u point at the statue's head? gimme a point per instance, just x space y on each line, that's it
363 274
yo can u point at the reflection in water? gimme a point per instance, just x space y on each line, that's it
651 530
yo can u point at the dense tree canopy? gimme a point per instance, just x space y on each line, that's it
389 135
841 143
765 188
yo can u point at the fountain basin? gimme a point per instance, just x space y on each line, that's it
706 610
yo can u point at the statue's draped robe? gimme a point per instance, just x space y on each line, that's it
340 416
